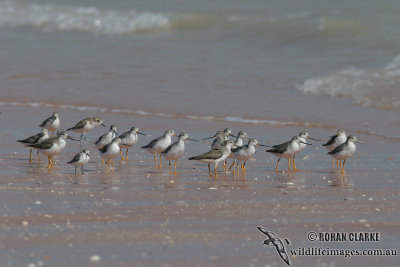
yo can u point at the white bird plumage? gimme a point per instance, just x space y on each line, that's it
345 151
158 145
215 156
244 153
80 159
86 125
286 150
52 146
175 151
106 138
334 141
110 152
52 123
129 139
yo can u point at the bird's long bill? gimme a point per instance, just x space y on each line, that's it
361 142
102 124
208 137
314 139
73 139
263 145
193 139
141 133
305 143
232 135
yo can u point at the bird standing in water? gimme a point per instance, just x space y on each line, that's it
86 125
80 159
52 123
158 145
129 139
286 150
34 139
215 156
334 141
176 150
344 151
52 146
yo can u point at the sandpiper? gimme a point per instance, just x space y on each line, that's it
37 138
286 150
244 153
159 144
227 133
239 139
334 141
238 143
86 125
176 150
303 137
129 139
80 159
52 123
344 151
110 151
106 138
52 146
219 139
215 156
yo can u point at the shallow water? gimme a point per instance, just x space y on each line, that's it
334 65
140 216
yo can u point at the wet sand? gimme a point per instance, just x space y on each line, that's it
140 216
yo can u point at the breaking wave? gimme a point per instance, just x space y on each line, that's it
85 19
378 88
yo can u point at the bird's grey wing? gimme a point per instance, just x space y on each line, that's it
31 139
46 144
236 149
47 121
100 138
168 149
80 124
74 159
215 142
152 143
104 148
337 149
279 148
331 140
212 154
122 136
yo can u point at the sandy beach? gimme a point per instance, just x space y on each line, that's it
140 216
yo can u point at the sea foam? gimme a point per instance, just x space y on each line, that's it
377 87
84 19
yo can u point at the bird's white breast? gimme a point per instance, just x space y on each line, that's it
129 140
176 151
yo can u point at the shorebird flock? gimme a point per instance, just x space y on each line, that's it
110 145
